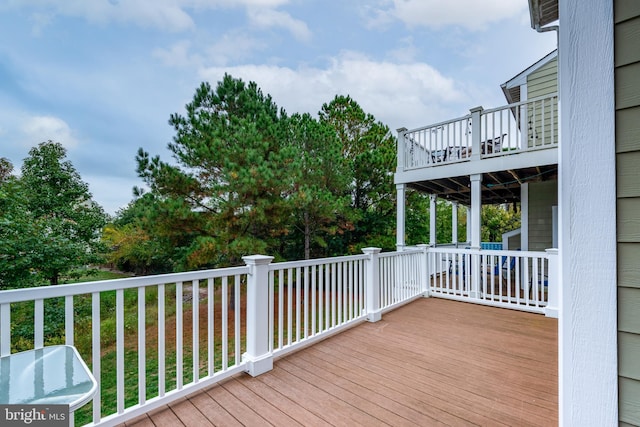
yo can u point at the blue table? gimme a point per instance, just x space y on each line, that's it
49 375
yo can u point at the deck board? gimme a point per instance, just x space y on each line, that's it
431 362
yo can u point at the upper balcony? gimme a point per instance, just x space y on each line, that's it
509 142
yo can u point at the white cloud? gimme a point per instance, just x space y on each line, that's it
37 129
268 18
178 55
170 15
436 14
408 95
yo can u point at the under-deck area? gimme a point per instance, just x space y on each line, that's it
431 362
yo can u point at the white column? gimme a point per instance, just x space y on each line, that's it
400 216
468 208
454 222
432 219
587 326
476 237
258 356
524 216
372 285
476 207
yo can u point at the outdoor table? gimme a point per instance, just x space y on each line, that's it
54 375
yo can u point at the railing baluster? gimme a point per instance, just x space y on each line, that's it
289 306
120 350
280 308
195 330
179 329
95 354
321 298
305 280
38 323
142 358
314 291
210 326
298 302
236 311
161 342
224 313
68 320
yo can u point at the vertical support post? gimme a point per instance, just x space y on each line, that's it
372 285
454 223
476 130
476 208
524 216
432 219
468 208
400 216
258 357
401 148
553 288
425 272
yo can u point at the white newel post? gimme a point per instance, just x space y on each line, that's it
372 285
553 287
476 136
425 274
258 356
401 147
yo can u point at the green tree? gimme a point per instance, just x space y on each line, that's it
370 151
18 237
48 223
65 218
320 202
227 191
137 240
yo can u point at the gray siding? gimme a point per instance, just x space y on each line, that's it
543 81
627 84
542 196
540 83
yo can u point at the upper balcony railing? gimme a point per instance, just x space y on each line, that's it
511 129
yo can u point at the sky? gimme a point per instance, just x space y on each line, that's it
102 77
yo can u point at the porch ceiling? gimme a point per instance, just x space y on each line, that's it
497 187
543 12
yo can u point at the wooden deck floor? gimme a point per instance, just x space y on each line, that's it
432 362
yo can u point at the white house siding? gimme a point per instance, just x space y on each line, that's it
627 77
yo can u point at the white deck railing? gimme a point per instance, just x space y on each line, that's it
174 334
511 129
521 280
